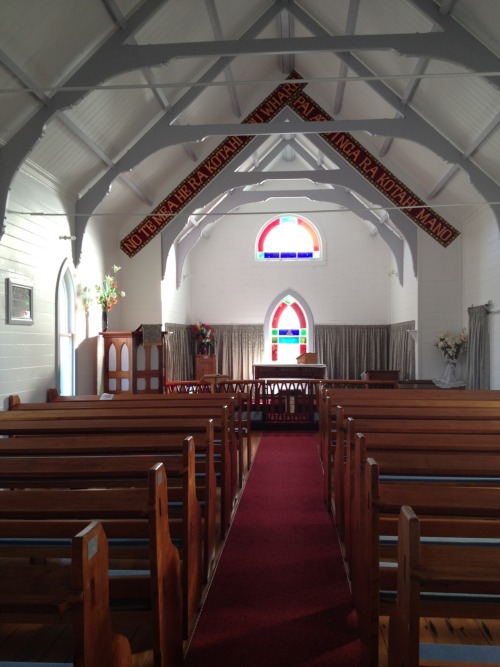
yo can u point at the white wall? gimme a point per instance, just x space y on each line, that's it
351 286
440 300
176 303
31 253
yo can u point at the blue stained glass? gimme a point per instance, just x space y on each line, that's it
284 332
271 255
288 255
286 340
304 255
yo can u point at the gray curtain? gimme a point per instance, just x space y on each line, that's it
350 350
478 350
238 347
402 350
346 350
179 352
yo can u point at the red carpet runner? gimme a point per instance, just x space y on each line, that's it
279 596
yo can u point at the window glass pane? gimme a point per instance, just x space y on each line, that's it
288 238
289 340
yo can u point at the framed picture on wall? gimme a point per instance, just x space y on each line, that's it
19 303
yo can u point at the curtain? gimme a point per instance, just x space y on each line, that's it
179 352
238 347
402 350
350 350
346 350
478 358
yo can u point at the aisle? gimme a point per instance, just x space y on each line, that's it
279 596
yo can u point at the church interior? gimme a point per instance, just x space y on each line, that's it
273 201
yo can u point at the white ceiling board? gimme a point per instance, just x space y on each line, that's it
332 21
236 17
389 17
481 18
176 22
72 31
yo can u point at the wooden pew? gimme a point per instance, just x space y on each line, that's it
470 461
140 514
444 506
450 427
110 420
441 442
76 593
251 406
445 570
451 411
239 422
123 471
330 398
332 392
150 446
157 445
440 457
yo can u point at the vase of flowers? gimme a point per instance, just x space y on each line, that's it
204 338
451 347
107 295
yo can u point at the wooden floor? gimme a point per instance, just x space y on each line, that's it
54 643
447 631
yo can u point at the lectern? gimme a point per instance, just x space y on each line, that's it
205 364
307 358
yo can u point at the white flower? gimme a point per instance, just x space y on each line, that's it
452 346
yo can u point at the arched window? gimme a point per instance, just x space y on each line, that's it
289 331
289 237
65 333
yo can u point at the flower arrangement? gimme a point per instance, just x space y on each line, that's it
204 337
107 294
452 347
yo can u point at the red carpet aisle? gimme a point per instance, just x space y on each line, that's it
279 597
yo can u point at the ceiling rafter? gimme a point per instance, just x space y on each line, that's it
350 27
217 29
379 87
286 29
346 178
422 131
90 200
23 78
116 14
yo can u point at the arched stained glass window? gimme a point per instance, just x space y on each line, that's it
289 237
289 331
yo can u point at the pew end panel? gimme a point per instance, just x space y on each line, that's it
78 591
